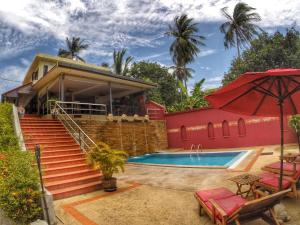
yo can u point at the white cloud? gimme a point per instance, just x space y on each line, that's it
12 77
212 82
205 68
214 79
110 24
206 52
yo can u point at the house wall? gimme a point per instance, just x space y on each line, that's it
41 67
187 128
136 138
155 110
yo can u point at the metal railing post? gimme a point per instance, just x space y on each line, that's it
38 161
79 136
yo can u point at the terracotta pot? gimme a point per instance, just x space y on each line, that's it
109 185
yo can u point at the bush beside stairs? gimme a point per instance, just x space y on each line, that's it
65 170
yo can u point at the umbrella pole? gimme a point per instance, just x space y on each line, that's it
281 145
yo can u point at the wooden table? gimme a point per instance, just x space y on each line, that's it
292 158
245 180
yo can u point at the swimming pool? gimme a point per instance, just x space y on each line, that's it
192 159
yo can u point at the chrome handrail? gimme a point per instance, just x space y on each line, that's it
73 128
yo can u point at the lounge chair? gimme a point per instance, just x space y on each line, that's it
270 182
224 207
288 168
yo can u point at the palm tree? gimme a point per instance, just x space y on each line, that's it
120 66
74 46
239 29
186 43
182 73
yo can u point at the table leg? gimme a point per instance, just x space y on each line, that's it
239 189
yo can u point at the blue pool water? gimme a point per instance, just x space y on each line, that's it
190 159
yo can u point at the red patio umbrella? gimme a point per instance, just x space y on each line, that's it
271 93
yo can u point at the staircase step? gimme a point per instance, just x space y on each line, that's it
65 169
76 190
55 146
44 126
52 143
39 121
54 140
69 175
60 152
43 129
50 138
46 134
61 157
72 182
48 165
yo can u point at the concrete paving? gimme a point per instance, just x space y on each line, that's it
164 196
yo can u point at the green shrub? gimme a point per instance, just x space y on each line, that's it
19 183
294 123
8 140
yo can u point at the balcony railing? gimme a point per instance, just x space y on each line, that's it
78 108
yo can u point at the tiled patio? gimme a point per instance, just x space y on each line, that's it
158 195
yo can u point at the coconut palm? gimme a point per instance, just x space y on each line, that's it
182 73
185 45
120 65
240 28
74 47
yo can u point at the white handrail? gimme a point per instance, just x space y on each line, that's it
82 107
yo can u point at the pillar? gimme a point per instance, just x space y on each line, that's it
110 98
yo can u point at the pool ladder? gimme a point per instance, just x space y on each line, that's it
199 148
193 148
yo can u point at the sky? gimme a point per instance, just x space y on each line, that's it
29 27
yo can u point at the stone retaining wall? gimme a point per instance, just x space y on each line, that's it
136 137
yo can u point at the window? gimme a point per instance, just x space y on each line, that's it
225 128
183 133
241 127
35 75
45 70
210 130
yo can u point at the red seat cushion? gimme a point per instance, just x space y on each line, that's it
215 194
267 175
229 204
286 166
273 181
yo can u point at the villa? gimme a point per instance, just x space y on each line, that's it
65 107
85 88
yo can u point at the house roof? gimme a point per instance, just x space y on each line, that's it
80 66
15 90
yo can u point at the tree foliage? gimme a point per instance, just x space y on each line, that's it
109 161
19 184
294 122
121 64
167 91
186 43
190 101
74 47
267 52
240 28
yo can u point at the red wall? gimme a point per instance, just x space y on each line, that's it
258 130
155 110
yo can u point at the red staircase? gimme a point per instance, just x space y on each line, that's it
65 170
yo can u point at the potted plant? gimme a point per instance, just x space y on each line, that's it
109 161
294 123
